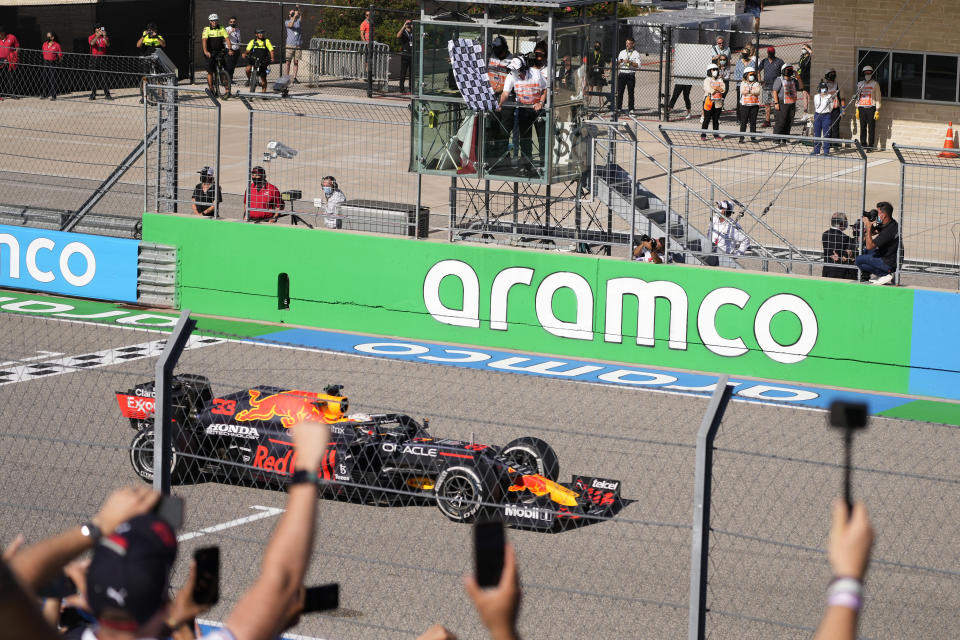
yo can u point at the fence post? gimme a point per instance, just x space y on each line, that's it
370 52
666 217
216 181
666 66
162 429
699 547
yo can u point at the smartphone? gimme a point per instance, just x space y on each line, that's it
322 598
848 416
170 510
488 543
206 590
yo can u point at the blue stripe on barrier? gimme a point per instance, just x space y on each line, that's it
935 344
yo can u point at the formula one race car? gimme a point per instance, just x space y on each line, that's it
243 437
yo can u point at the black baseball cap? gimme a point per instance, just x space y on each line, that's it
130 570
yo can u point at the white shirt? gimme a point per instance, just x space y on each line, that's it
823 102
628 57
534 75
727 236
333 203
234 34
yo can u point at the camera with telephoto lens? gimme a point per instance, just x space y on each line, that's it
871 215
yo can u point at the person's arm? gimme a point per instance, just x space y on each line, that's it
203 42
867 236
849 553
270 49
499 607
182 611
262 611
655 255
19 612
140 41
877 98
162 40
776 94
38 563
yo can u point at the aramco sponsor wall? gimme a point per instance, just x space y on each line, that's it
748 324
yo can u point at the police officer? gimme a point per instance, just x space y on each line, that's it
868 108
784 100
213 40
148 43
260 48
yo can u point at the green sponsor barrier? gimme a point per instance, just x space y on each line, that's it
749 324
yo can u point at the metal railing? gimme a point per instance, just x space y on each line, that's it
347 60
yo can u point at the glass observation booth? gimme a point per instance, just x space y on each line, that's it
518 140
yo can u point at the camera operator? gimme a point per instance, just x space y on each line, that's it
881 237
294 42
648 250
838 248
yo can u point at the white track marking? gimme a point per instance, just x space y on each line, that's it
94 360
265 512
43 354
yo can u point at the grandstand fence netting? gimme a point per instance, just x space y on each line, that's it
929 230
775 473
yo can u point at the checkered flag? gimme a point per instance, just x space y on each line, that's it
470 72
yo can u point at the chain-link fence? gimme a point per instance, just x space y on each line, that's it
777 189
930 232
774 474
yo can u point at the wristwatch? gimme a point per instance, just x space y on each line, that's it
92 531
304 476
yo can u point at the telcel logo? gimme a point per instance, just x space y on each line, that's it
46 244
617 289
603 484
531 513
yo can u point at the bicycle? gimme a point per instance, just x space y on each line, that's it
221 78
256 63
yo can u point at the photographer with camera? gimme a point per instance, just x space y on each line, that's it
725 232
881 235
99 43
294 42
148 44
648 250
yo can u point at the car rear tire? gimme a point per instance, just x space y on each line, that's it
141 459
461 492
535 453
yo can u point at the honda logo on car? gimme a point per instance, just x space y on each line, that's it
390 447
617 289
239 431
603 484
530 513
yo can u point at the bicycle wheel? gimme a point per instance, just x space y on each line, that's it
254 76
223 83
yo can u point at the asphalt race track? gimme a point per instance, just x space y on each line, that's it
63 447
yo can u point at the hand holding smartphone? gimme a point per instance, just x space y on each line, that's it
848 416
488 546
206 589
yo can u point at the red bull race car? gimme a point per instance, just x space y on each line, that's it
243 438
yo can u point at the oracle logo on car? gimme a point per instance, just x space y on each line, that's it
646 294
390 447
277 464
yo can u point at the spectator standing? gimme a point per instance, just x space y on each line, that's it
883 246
9 51
366 26
753 8
265 201
596 78
822 112
725 232
627 64
868 108
833 90
234 45
405 35
803 75
213 40
713 88
148 44
769 73
99 43
743 61
838 249
52 56
333 198
203 194
565 75
260 49
719 49
785 100
529 86
294 42
682 88
749 95
724 65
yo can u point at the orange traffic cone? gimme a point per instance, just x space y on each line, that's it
948 143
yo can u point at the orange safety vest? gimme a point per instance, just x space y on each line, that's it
528 90
789 91
717 87
866 96
746 97
497 71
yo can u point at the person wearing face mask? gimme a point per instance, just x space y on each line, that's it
785 100
206 194
744 60
769 73
596 78
265 201
724 65
749 95
52 56
713 90
868 108
838 102
822 112
333 198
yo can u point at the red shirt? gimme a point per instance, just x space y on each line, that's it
266 198
365 31
8 48
98 45
52 51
